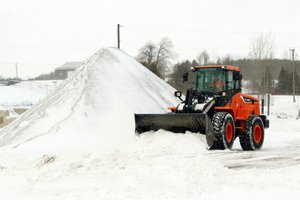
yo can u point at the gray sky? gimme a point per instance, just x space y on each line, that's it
41 35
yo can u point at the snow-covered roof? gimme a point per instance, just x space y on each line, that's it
69 66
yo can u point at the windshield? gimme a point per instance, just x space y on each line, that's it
210 80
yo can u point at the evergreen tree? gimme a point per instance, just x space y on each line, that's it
179 70
285 82
282 82
297 84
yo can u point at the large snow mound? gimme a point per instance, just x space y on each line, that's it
92 110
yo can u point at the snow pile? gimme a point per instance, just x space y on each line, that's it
93 110
160 165
79 143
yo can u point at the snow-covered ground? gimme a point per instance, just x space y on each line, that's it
79 143
26 93
43 87
17 97
23 95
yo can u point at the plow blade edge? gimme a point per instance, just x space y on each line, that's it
177 123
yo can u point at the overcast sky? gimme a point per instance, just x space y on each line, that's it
42 34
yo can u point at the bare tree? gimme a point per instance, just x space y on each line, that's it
147 53
203 58
262 47
262 52
157 57
227 60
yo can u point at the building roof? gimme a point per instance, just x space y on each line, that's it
69 66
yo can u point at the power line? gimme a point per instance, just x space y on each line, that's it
21 63
202 31
47 47
188 30
135 44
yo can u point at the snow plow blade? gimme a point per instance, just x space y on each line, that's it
177 123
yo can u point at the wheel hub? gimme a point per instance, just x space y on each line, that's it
228 133
257 134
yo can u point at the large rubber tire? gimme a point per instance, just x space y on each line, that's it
252 138
224 130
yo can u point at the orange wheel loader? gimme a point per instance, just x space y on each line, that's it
214 106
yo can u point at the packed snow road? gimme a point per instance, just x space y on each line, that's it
281 148
159 165
281 144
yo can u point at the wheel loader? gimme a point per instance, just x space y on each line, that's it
213 106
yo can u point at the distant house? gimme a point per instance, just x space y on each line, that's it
66 69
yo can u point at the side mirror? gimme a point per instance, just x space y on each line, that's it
178 94
185 77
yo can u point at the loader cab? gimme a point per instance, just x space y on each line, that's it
216 80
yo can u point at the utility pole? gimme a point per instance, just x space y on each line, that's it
119 36
269 89
17 71
293 58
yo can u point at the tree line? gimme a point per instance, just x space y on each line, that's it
261 71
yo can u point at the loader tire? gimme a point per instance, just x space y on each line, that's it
252 138
224 130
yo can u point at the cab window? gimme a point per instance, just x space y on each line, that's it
210 80
230 81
